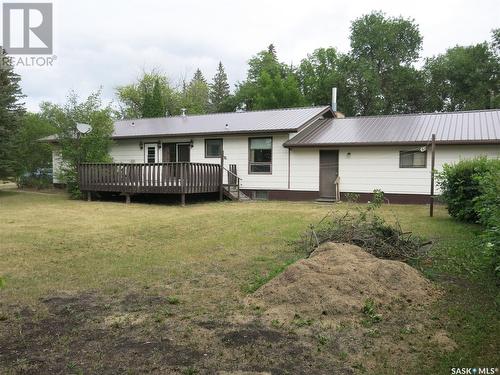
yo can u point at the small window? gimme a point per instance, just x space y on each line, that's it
260 155
412 159
213 148
151 154
260 195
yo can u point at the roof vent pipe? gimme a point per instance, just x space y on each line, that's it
183 112
334 99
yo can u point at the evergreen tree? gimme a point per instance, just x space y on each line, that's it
11 111
219 90
195 96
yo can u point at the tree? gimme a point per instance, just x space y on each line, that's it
495 43
76 148
157 106
195 97
219 91
147 105
383 50
463 78
319 72
136 99
11 111
269 84
29 153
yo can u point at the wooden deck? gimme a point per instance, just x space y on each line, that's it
159 178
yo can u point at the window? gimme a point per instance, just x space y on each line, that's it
260 155
150 154
412 159
213 148
260 195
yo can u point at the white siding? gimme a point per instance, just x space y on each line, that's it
127 151
366 169
304 169
235 150
369 168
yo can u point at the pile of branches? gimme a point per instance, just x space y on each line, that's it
368 231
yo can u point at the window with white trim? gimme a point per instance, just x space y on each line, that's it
412 159
260 157
151 153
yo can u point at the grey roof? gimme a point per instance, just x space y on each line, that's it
279 120
450 128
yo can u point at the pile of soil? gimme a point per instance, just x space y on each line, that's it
335 282
365 311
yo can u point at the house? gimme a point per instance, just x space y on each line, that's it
291 154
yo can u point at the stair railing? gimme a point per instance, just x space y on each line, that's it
233 180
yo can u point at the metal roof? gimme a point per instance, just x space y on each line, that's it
452 127
279 120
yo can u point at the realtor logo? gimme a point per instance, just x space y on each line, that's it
27 28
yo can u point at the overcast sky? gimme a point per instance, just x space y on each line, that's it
108 43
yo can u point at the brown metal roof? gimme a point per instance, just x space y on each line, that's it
279 120
452 127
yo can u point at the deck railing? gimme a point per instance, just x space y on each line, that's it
167 178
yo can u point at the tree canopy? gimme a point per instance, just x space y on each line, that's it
76 148
378 75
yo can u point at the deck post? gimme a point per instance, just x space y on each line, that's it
127 198
89 196
183 199
221 177
433 161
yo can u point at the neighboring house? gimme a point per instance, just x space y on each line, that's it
311 153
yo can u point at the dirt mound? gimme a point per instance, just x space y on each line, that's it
337 282
363 310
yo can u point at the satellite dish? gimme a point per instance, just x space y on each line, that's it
83 128
423 149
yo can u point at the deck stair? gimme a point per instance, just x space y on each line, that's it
232 192
232 188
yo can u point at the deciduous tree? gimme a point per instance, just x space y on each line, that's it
78 148
136 99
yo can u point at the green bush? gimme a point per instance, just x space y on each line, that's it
487 206
471 190
34 182
460 184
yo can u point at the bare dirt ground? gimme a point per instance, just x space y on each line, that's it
311 319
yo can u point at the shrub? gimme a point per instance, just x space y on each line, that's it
40 179
487 206
378 198
460 184
471 189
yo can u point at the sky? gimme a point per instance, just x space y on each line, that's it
109 43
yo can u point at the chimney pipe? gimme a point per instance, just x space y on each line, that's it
334 99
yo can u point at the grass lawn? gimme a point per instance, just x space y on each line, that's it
159 272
